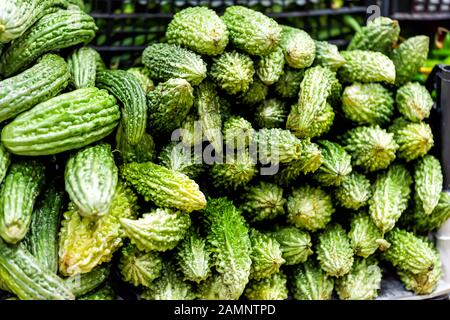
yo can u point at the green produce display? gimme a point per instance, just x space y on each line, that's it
239 158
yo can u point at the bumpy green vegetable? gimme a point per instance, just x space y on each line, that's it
367 103
165 61
409 57
298 47
428 183
367 66
288 85
5 160
380 34
84 244
27 278
421 222
199 29
390 197
170 286
271 113
61 29
168 105
327 55
229 245
143 75
83 65
266 255
233 72
69 121
365 237
105 292
159 230
371 148
238 133
336 164
414 101
165 187
362 283
334 251
264 201
236 171
269 68
414 139
180 158
271 288
354 191
310 282
81 284
42 238
142 152
410 253
295 244
91 178
309 208
256 93
41 82
193 257
277 146
251 31
140 268
18 194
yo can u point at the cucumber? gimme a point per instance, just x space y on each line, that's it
27 278
128 90
61 29
81 284
69 121
17 197
42 238
48 77
82 64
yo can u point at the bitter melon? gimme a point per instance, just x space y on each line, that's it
83 66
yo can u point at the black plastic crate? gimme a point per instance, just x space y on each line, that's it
126 27
418 10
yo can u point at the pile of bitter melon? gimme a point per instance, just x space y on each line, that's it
242 159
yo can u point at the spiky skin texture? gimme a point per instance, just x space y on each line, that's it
409 252
269 68
336 164
180 158
193 257
422 283
354 191
295 244
288 85
266 255
365 237
327 55
139 268
236 171
367 104
391 193
252 31
144 151
380 34
142 74
168 105
271 288
256 93
170 286
238 133
165 187
271 113
159 230
371 148
322 123
309 208
208 105
277 146
84 244
229 245
233 72
408 57
362 282
310 282
334 251
298 47
428 180
366 66
414 101
414 139
334 99
264 201
165 61
423 223
199 29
